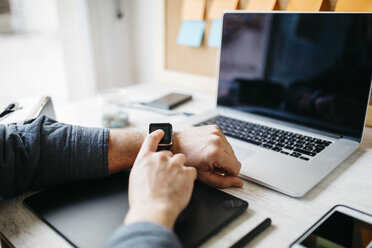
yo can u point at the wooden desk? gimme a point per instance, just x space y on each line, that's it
350 184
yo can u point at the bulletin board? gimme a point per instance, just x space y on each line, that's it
200 60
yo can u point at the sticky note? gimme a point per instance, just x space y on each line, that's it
354 6
304 5
215 34
191 33
217 7
261 4
193 9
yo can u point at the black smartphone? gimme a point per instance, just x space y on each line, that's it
169 101
342 226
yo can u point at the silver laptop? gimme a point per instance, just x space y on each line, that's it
293 93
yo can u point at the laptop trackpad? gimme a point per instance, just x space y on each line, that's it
242 153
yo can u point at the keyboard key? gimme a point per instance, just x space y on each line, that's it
268 146
257 143
304 158
276 149
295 155
305 152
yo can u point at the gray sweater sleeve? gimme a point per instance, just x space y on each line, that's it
45 152
143 235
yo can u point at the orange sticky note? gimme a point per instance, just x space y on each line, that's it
261 4
217 8
304 5
354 6
193 10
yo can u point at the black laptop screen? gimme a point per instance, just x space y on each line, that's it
310 69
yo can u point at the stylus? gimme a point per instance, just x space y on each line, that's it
252 234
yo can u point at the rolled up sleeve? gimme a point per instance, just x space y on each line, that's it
45 152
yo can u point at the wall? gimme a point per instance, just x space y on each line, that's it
32 59
123 48
112 43
36 16
144 37
74 32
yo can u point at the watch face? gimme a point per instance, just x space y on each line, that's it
167 128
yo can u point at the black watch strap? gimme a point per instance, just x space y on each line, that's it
164 148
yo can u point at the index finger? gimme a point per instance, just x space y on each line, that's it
151 142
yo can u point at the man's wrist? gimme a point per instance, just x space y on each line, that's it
176 144
123 147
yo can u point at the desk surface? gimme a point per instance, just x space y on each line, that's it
349 184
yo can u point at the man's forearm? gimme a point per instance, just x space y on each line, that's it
123 149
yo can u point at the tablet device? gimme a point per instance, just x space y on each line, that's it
87 213
342 226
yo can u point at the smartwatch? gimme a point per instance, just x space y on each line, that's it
167 141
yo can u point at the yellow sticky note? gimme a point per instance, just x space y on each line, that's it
193 10
217 8
261 4
304 5
354 6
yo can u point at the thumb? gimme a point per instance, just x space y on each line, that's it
151 142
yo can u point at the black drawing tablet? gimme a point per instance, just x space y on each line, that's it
87 213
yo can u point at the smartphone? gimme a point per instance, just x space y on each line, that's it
342 226
169 101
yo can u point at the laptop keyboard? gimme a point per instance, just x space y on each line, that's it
288 143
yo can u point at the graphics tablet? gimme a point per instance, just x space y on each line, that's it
87 213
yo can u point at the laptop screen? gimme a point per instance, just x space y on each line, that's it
305 68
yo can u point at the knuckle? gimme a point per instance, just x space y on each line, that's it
182 157
239 166
217 141
215 130
175 162
191 171
194 173
179 158
162 156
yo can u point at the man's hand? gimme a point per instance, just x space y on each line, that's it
208 150
160 185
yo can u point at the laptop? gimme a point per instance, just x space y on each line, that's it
293 93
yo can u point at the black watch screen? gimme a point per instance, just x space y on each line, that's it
167 128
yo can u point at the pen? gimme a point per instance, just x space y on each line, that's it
252 234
